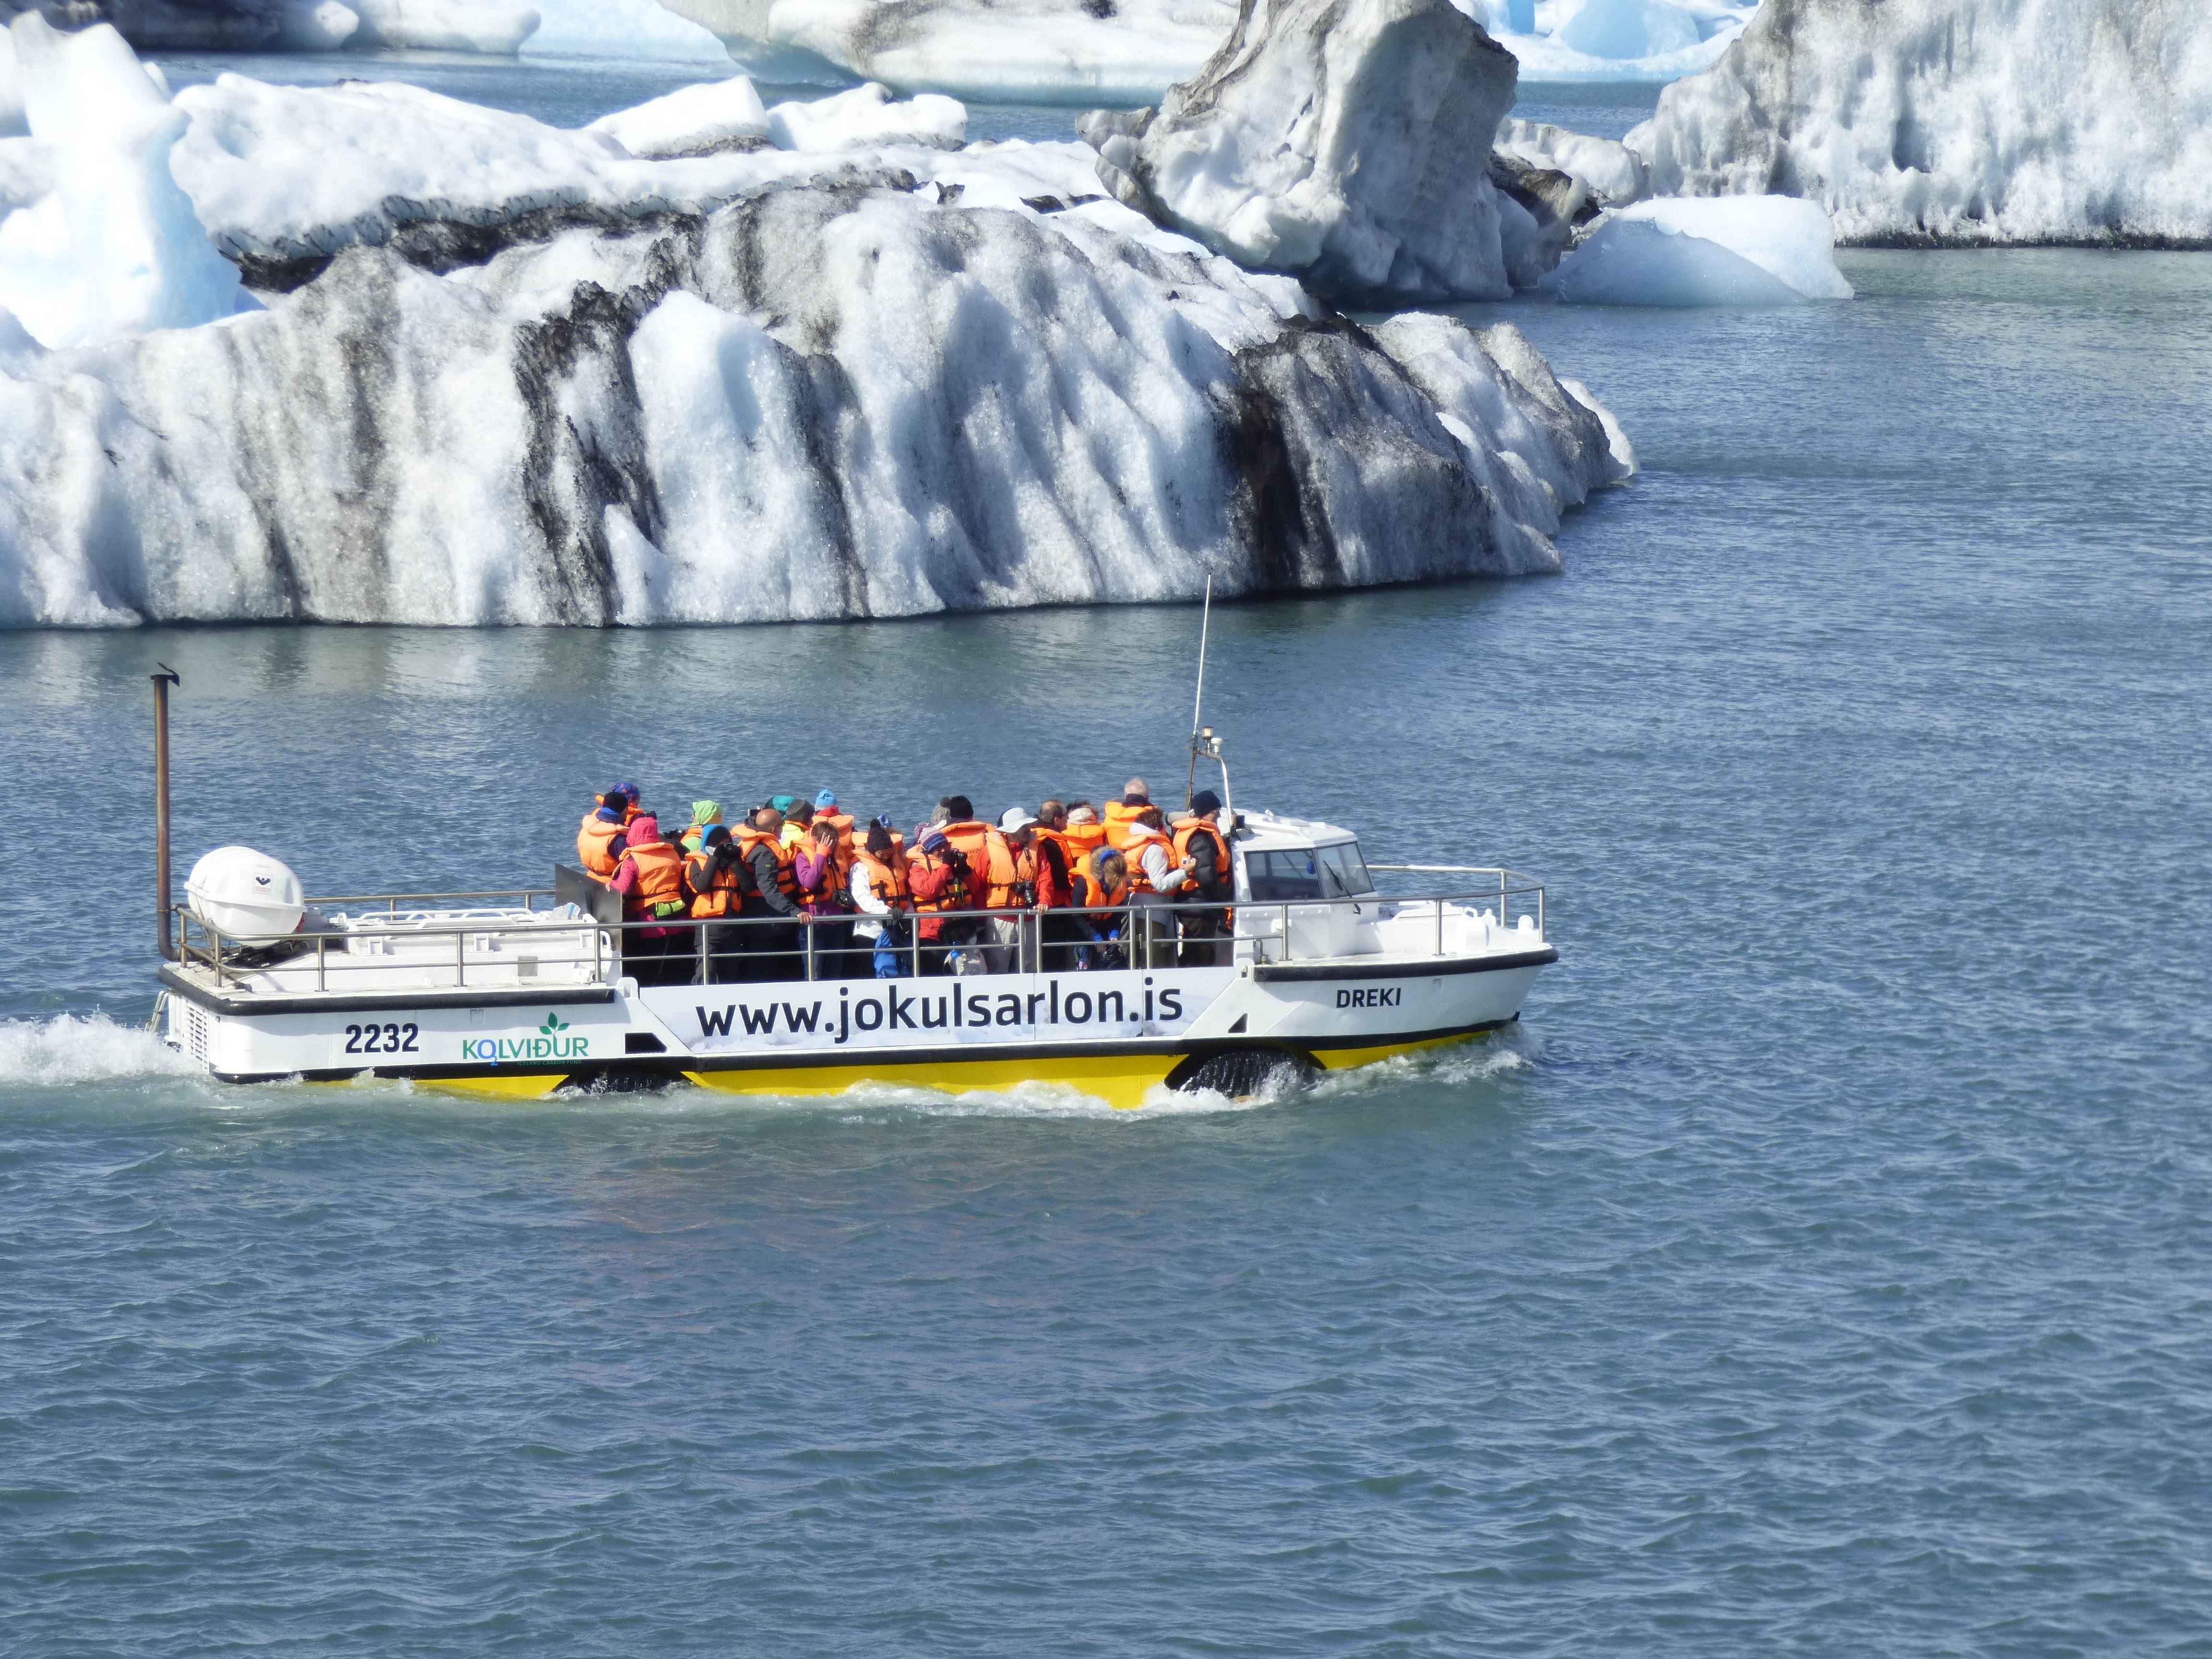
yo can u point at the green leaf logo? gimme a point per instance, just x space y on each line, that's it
553 1023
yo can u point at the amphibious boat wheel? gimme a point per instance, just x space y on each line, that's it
1242 1073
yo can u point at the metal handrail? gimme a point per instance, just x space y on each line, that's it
1140 931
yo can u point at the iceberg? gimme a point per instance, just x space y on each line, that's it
622 30
1959 122
1345 141
868 116
318 25
107 245
1073 51
749 386
1734 251
1613 39
1609 172
472 26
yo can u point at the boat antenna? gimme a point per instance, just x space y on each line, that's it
1198 702
162 681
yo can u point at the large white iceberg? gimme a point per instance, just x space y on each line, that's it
1082 51
1958 121
873 382
1344 141
1732 250
110 245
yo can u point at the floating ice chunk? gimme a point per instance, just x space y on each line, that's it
1629 29
1960 121
318 25
113 247
1612 171
636 30
1122 52
869 115
1706 250
1343 141
444 26
690 121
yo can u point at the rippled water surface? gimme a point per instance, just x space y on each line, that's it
1821 1269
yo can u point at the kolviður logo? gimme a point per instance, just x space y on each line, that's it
551 1042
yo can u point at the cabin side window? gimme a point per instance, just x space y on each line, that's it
1276 876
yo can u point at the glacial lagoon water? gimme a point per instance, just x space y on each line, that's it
1824 1267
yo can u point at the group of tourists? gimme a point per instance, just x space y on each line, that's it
797 890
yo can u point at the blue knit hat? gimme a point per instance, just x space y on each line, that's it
825 800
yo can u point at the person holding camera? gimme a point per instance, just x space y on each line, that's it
941 882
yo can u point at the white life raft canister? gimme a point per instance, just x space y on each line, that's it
243 894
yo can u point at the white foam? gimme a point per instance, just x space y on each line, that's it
72 1049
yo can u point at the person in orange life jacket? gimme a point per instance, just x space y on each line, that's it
825 811
649 876
1100 892
1011 941
600 838
1203 873
1121 815
705 815
771 940
876 882
979 844
821 894
1059 933
720 879
798 824
940 881
1153 880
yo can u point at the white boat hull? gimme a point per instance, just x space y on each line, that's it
1112 1034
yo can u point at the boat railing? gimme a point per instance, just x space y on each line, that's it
488 944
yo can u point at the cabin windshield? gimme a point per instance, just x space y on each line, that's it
1344 873
1309 872
1283 875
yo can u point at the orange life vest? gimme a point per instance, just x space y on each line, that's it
1120 820
715 892
658 890
1133 850
1189 829
596 848
959 896
1094 891
1010 882
842 823
786 876
887 877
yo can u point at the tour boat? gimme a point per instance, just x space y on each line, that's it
531 992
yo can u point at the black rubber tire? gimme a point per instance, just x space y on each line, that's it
1241 1073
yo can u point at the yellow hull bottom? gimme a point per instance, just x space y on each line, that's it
1121 1081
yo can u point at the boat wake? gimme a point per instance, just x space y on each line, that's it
82 1049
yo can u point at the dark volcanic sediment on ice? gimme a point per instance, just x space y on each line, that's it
815 402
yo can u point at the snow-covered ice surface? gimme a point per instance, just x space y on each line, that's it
103 244
742 386
691 121
1958 121
1077 51
1343 141
865 116
1705 251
